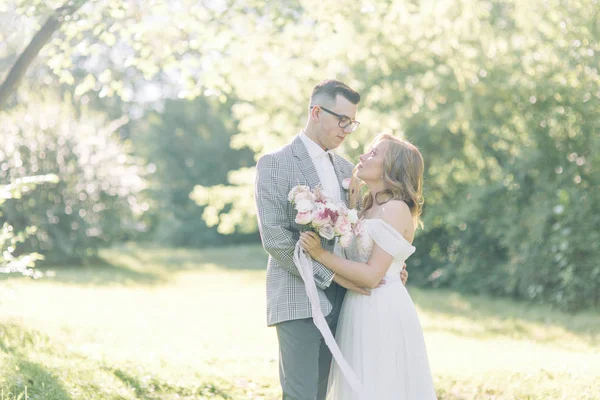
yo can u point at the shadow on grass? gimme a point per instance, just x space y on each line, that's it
124 270
151 388
144 265
244 257
133 264
100 272
23 374
487 317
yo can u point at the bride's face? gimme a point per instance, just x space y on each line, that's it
370 167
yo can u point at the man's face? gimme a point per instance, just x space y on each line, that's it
330 134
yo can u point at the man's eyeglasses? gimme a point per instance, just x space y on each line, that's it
344 122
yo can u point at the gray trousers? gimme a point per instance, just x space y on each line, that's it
304 359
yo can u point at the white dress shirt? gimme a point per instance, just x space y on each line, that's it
324 167
329 181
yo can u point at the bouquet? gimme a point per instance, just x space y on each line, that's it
319 214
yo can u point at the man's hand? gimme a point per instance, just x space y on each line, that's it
351 285
403 277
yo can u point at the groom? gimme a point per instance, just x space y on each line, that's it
304 358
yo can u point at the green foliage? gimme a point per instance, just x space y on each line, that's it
510 179
229 207
113 48
186 144
9 239
501 97
93 204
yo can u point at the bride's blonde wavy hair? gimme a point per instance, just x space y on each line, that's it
403 169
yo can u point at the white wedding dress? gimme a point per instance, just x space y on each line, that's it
380 335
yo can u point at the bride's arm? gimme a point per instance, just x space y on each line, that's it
348 284
364 274
367 274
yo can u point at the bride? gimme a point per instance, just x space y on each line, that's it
380 335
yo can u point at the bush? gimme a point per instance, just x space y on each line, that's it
93 204
9 239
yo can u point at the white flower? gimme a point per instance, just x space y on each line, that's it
346 183
352 216
332 206
304 196
304 206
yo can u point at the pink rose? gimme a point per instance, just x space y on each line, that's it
297 190
304 218
321 217
342 226
327 232
332 211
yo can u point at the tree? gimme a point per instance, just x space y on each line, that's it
31 51
123 46
502 99
186 143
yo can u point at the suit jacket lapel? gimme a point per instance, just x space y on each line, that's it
305 163
340 178
341 175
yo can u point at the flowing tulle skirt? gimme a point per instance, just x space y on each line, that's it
381 338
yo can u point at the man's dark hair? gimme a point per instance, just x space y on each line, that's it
331 88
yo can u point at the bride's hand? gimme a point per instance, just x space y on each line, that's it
312 244
404 274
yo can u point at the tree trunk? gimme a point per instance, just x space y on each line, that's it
33 48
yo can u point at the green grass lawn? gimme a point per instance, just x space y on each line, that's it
180 324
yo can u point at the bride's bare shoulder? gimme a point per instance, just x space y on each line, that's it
395 209
397 214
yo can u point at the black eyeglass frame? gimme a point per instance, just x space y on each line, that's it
351 122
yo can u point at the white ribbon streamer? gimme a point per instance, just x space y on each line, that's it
304 263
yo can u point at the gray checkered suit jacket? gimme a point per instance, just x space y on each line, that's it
276 174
